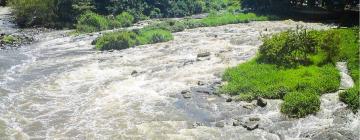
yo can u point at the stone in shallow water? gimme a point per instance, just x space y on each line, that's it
205 54
261 102
219 124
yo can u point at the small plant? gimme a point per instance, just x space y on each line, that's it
9 39
300 104
351 97
116 41
125 19
91 22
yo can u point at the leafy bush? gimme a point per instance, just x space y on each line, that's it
125 19
269 81
351 97
300 104
154 36
125 39
9 39
289 49
116 41
91 22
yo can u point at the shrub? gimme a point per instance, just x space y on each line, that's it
9 39
289 49
90 22
330 45
154 36
116 41
300 104
125 19
125 39
351 97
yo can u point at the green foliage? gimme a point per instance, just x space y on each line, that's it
269 81
351 97
228 18
299 86
300 104
125 39
154 36
116 41
289 49
34 12
9 39
125 19
91 22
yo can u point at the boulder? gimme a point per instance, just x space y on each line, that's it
219 124
205 54
261 102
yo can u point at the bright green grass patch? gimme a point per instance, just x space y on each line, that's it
9 39
349 51
351 97
252 79
125 39
300 104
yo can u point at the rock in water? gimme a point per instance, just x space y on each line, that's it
206 54
261 102
220 124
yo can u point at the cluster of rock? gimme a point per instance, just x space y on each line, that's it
9 41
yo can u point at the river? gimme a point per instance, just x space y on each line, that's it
61 88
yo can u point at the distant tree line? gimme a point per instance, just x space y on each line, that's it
275 4
55 13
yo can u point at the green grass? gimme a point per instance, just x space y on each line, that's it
9 39
252 79
300 104
92 22
299 86
125 39
349 51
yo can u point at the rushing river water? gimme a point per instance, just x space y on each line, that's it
60 88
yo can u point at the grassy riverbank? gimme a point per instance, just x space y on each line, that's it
162 29
297 66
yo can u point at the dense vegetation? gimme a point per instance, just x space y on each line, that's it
125 39
293 63
60 13
161 32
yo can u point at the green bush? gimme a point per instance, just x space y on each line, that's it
300 104
91 22
289 49
154 36
351 97
9 39
116 41
125 39
125 19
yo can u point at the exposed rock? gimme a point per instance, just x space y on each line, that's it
200 83
236 123
185 91
219 124
205 54
203 90
261 102
187 96
134 73
197 124
254 119
251 125
249 106
229 100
